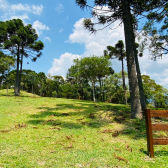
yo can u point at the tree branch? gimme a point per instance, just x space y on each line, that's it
117 26
97 9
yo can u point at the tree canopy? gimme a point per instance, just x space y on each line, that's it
155 36
20 40
91 68
6 63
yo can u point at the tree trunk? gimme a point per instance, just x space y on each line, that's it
17 74
141 90
103 89
82 92
123 78
93 86
7 89
130 41
32 88
20 75
100 89
111 99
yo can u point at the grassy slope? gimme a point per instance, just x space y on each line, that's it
50 132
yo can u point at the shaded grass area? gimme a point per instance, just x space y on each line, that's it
50 132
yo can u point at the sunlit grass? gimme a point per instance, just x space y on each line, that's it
49 132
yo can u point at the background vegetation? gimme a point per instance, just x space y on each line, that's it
108 88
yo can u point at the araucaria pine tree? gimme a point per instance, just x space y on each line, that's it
21 41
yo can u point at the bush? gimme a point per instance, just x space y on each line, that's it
54 94
69 91
149 106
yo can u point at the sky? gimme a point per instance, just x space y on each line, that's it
59 26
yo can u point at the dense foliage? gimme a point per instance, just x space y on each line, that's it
6 63
154 34
106 89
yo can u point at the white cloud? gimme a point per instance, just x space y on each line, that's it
3 4
11 10
164 79
59 8
22 17
157 70
20 7
61 65
95 44
47 39
37 10
39 27
61 30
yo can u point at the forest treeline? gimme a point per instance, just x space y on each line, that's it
90 78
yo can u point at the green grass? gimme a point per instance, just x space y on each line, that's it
53 132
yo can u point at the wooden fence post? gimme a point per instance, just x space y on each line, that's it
149 133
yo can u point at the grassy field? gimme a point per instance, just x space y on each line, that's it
53 132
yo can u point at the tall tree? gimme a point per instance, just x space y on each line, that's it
92 68
50 86
141 89
114 89
124 11
74 78
101 77
119 53
32 77
58 80
42 82
30 47
21 41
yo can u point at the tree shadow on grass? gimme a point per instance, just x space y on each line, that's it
81 113
84 113
20 96
69 125
76 117
88 114
13 95
161 153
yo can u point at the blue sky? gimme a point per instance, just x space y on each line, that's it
59 25
54 22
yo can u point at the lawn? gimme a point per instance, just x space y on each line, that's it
54 132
